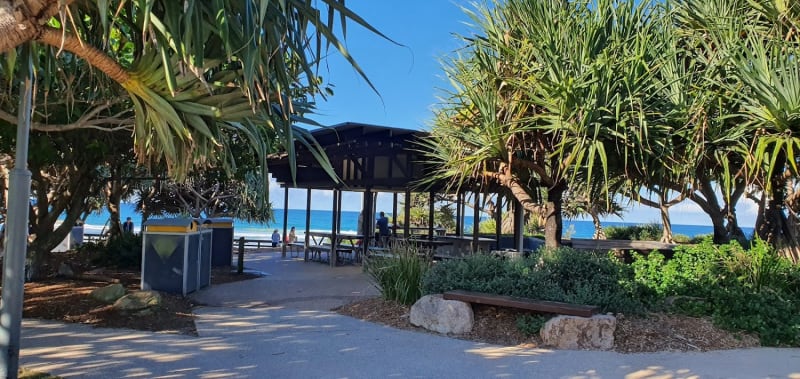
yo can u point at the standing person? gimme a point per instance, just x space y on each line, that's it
77 234
383 229
127 226
292 238
276 238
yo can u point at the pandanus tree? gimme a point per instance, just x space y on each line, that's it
547 94
188 80
194 71
199 75
698 81
771 75
758 77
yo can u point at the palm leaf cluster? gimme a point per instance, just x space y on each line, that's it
199 75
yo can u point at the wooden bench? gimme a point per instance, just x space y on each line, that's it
522 303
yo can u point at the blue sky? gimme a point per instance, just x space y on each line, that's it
409 78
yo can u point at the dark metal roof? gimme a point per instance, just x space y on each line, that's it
364 156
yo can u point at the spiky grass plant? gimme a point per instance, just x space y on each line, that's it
398 275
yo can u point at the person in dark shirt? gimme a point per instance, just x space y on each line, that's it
127 226
383 229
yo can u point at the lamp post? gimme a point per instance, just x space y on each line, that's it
16 229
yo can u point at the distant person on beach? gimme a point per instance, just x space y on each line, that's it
77 234
383 229
127 226
276 238
292 237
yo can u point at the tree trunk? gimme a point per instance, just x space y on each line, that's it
553 218
114 196
45 235
666 225
772 225
599 233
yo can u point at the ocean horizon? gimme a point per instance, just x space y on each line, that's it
321 221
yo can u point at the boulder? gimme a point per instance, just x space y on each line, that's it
138 300
573 332
434 313
65 270
108 294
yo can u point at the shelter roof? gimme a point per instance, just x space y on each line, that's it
363 156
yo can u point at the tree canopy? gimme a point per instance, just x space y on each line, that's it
692 97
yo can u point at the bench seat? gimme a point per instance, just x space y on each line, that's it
522 303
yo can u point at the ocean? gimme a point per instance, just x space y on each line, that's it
321 221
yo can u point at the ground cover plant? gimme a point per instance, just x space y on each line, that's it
754 290
562 274
742 290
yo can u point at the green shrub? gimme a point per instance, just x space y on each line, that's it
681 238
476 273
557 275
123 251
774 316
488 226
692 271
700 238
590 278
399 278
530 324
753 290
647 232
762 267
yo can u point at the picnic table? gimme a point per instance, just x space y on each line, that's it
428 246
346 244
464 244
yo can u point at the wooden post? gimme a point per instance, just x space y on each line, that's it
476 218
431 211
285 220
240 263
407 215
306 237
498 220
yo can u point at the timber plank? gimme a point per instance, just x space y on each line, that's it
522 303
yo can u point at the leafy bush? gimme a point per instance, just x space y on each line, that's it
123 251
753 290
762 267
531 324
775 317
681 238
700 238
488 226
399 277
648 232
558 275
691 272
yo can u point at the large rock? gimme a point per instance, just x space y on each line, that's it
108 294
573 332
138 300
65 270
434 313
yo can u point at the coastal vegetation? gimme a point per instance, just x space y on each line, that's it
750 290
644 101
141 99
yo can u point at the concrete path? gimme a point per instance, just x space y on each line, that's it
275 328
